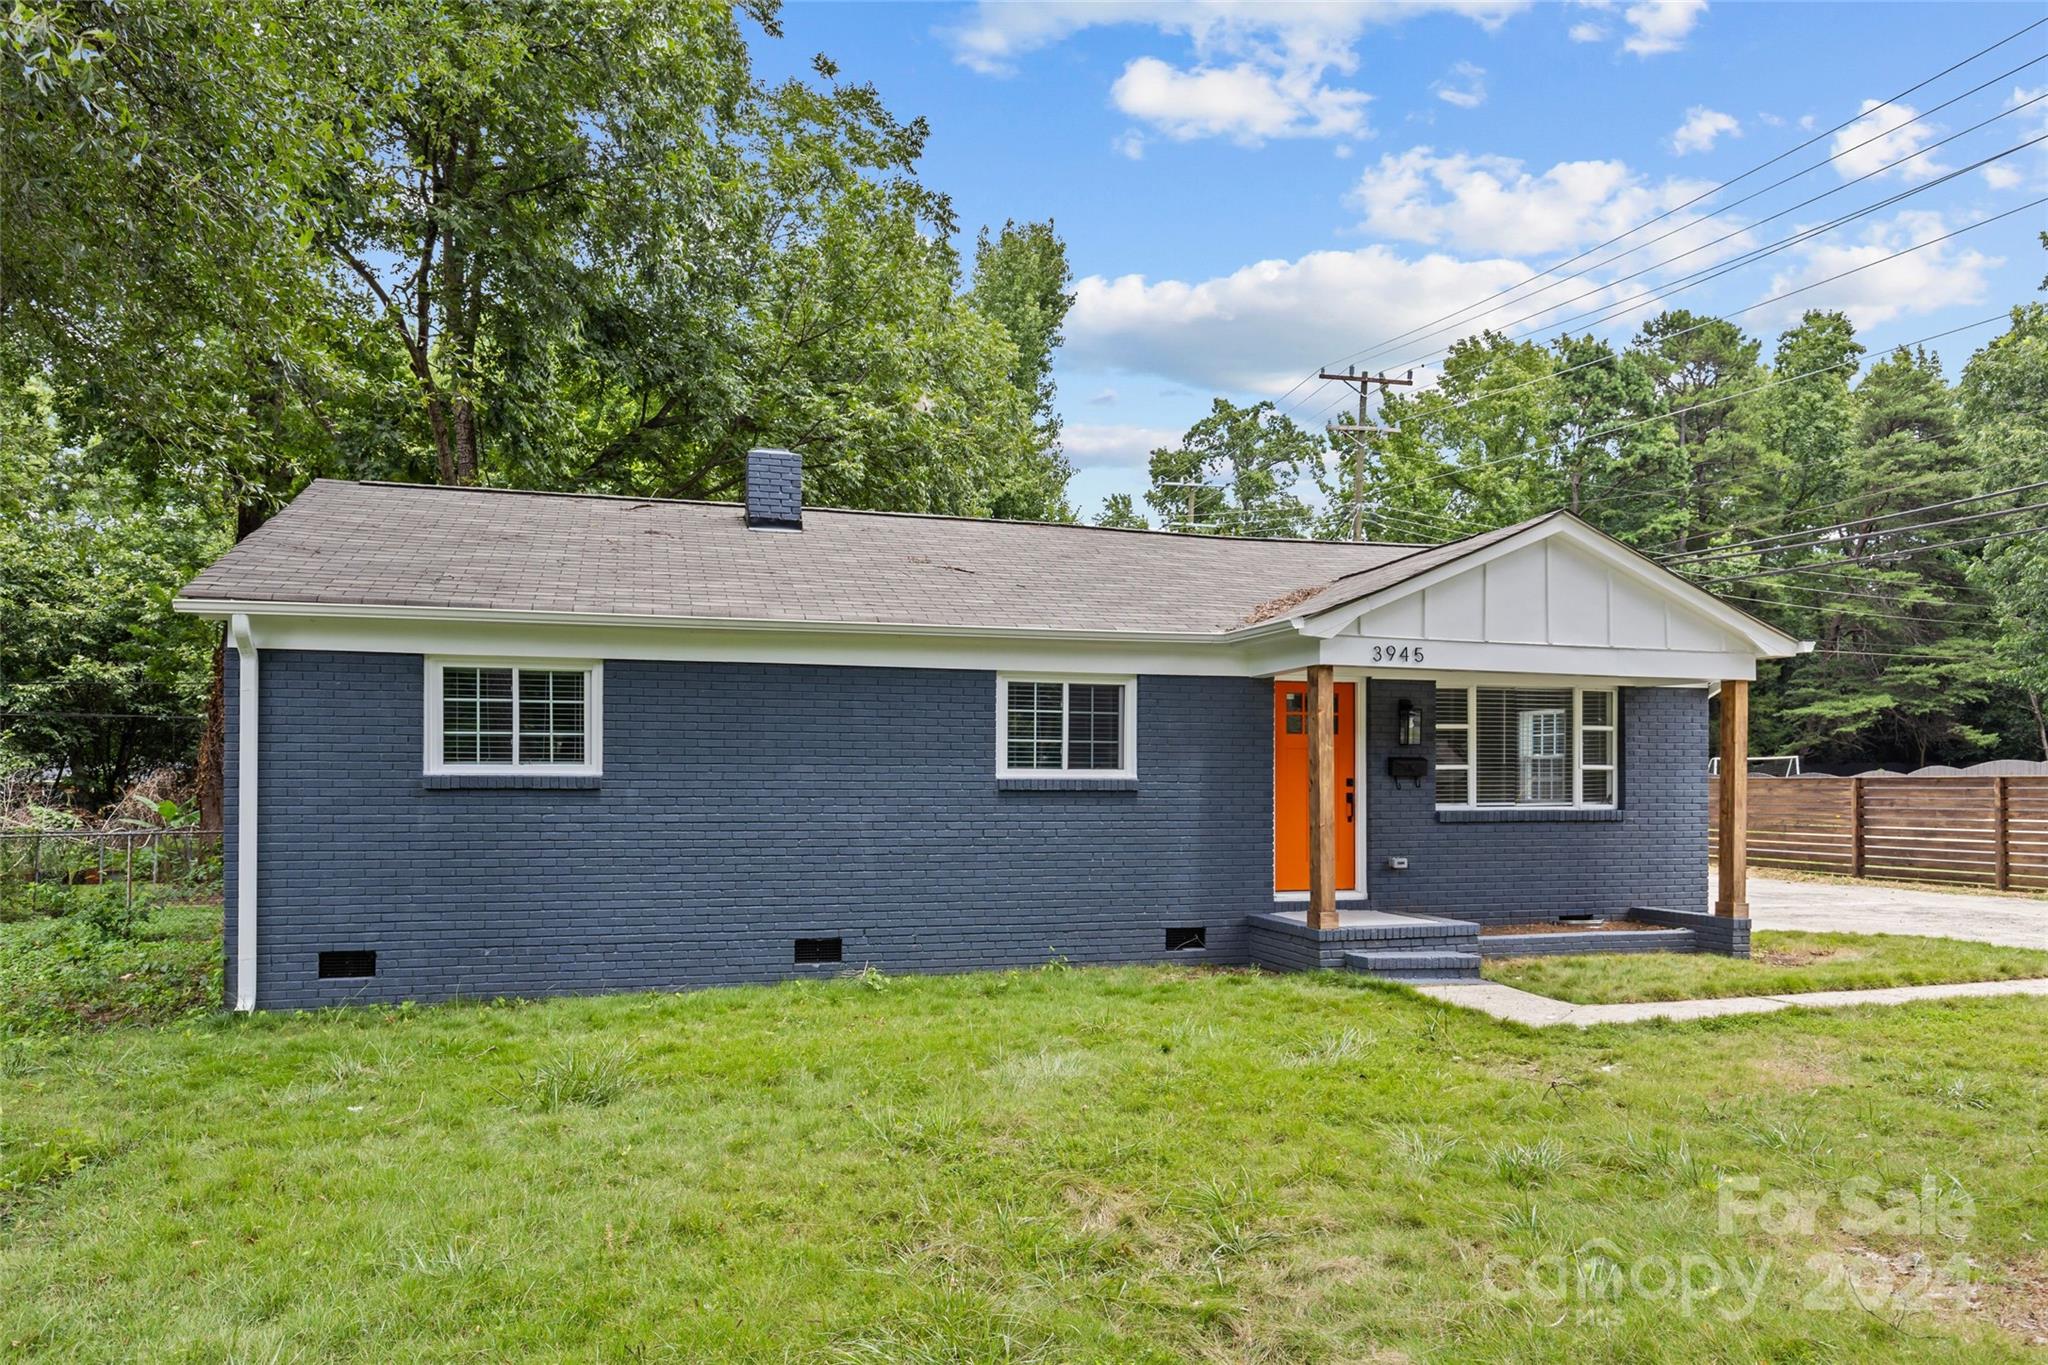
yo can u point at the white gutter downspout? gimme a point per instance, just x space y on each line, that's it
245 814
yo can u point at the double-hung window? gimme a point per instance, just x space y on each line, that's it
496 717
1066 727
1526 746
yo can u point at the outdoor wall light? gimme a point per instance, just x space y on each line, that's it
1408 723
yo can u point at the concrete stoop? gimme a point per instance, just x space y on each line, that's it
1399 947
1435 968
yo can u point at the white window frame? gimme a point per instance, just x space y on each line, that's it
434 765
1464 726
1578 754
1128 744
1612 729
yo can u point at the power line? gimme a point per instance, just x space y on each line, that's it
1661 295
1864 613
1890 555
1740 393
1885 203
1467 526
1820 590
1704 195
1707 274
1919 656
1706 558
1775 517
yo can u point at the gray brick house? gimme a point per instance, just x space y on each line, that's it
490 743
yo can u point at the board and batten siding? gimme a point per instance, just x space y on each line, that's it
1549 593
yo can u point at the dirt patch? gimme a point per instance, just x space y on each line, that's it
1804 957
2019 1304
1612 926
1795 1071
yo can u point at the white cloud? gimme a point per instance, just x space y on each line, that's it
1244 102
1929 280
1464 86
1279 34
1259 328
1260 70
1661 25
2013 173
1493 204
1114 443
1885 133
1703 127
1131 144
1588 33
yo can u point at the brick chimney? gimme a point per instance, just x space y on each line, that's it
775 490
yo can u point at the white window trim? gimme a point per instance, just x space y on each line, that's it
433 765
1579 767
1612 767
1129 741
1464 726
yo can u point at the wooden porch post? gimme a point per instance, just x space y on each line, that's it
1732 900
1322 796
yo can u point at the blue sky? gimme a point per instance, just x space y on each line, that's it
1248 191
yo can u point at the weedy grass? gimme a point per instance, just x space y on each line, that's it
1781 962
82 962
1089 1164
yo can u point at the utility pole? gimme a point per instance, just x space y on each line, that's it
1194 487
1359 433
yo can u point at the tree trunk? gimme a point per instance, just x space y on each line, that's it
212 738
465 441
2040 726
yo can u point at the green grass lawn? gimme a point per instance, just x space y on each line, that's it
1132 1164
1780 963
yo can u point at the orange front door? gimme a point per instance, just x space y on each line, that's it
1290 787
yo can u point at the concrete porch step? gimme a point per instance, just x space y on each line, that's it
1396 965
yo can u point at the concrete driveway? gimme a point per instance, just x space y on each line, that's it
2012 920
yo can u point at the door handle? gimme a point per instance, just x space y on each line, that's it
1350 800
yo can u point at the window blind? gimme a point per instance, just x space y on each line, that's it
1524 754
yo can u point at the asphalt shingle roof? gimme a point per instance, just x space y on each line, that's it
370 544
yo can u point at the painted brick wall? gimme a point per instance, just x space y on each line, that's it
742 806
1492 873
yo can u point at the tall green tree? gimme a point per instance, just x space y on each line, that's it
1468 452
1233 474
1120 512
2004 402
98 678
1701 367
1610 462
1022 281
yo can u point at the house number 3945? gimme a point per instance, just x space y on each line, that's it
1397 654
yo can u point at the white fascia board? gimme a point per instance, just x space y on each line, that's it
484 633
1767 641
1451 658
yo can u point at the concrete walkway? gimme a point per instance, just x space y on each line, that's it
1540 1011
2014 921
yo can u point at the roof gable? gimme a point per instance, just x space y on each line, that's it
1550 581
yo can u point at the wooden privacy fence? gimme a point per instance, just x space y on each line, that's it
1983 831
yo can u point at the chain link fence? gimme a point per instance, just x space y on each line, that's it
54 872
